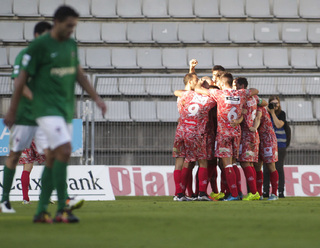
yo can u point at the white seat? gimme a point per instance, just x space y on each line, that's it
106 85
4 58
25 8
82 57
149 58
81 6
191 33
258 8
174 58
181 8
5 104
114 32
309 9
303 58
177 84
299 110
216 32
124 58
227 57
203 55
28 30
232 8
316 107
206 8
265 85
242 32
79 91
98 58
267 33
155 8
313 33
104 8
129 8
291 86
132 86
165 32
306 135
139 32
294 33
6 8
285 8
143 111
11 31
167 111
276 58
312 86
47 7
88 32
251 58
6 85
13 53
158 86
117 111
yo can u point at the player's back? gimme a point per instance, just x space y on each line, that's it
250 115
265 121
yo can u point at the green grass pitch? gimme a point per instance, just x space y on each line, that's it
153 222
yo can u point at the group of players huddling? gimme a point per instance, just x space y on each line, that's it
221 118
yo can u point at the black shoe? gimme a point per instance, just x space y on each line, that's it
225 197
281 195
265 195
43 217
65 216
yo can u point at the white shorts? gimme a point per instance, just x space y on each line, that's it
57 131
21 137
41 141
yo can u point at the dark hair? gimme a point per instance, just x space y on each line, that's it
188 77
41 27
271 98
242 81
63 12
226 77
218 68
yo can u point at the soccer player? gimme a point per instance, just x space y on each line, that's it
52 62
268 151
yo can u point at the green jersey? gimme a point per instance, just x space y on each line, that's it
24 113
52 66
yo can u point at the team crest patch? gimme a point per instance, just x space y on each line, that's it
26 59
268 151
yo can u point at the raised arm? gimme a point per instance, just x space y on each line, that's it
253 91
192 65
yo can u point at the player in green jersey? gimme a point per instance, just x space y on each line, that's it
52 63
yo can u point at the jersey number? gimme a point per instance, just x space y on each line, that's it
193 109
232 115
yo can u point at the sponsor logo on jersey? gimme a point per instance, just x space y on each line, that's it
268 152
63 71
232 100
190 122
25 59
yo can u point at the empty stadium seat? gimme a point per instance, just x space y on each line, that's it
139 32
165 32
155 8
114 32
181 8
299 110
6 85
132 86
167 111
303 58
25 8
312 86
276 58
258 8
11 31
4 58
47 7
158 86
6 8
124 58
5 104
13 52
306 135
291 86
316 107
227 57
81 6
104 8
285 8
117 111
191 33
129 8
98 58
106 85
203 55
82 57
206 8
28 30
265 85
174 58
242 32
143 111
251 58
149 58
267 33
294 33
309 9
232 8
177 84
216 32
313 33
88 32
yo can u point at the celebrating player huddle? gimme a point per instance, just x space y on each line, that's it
239 113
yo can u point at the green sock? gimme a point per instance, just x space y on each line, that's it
46 190
67 196
8 175
59 182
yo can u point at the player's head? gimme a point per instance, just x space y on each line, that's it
191 80
208 80
241 83
215 70
65 20
41 28
225 80
275 101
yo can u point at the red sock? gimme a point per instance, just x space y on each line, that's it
224 184
231 180
259 181
25 180
274 179
189 184
254 173
177 181
250 179
213 180
184 179
203 179
238 177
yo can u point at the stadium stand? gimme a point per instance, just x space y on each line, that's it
25 8
285 8
103 9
